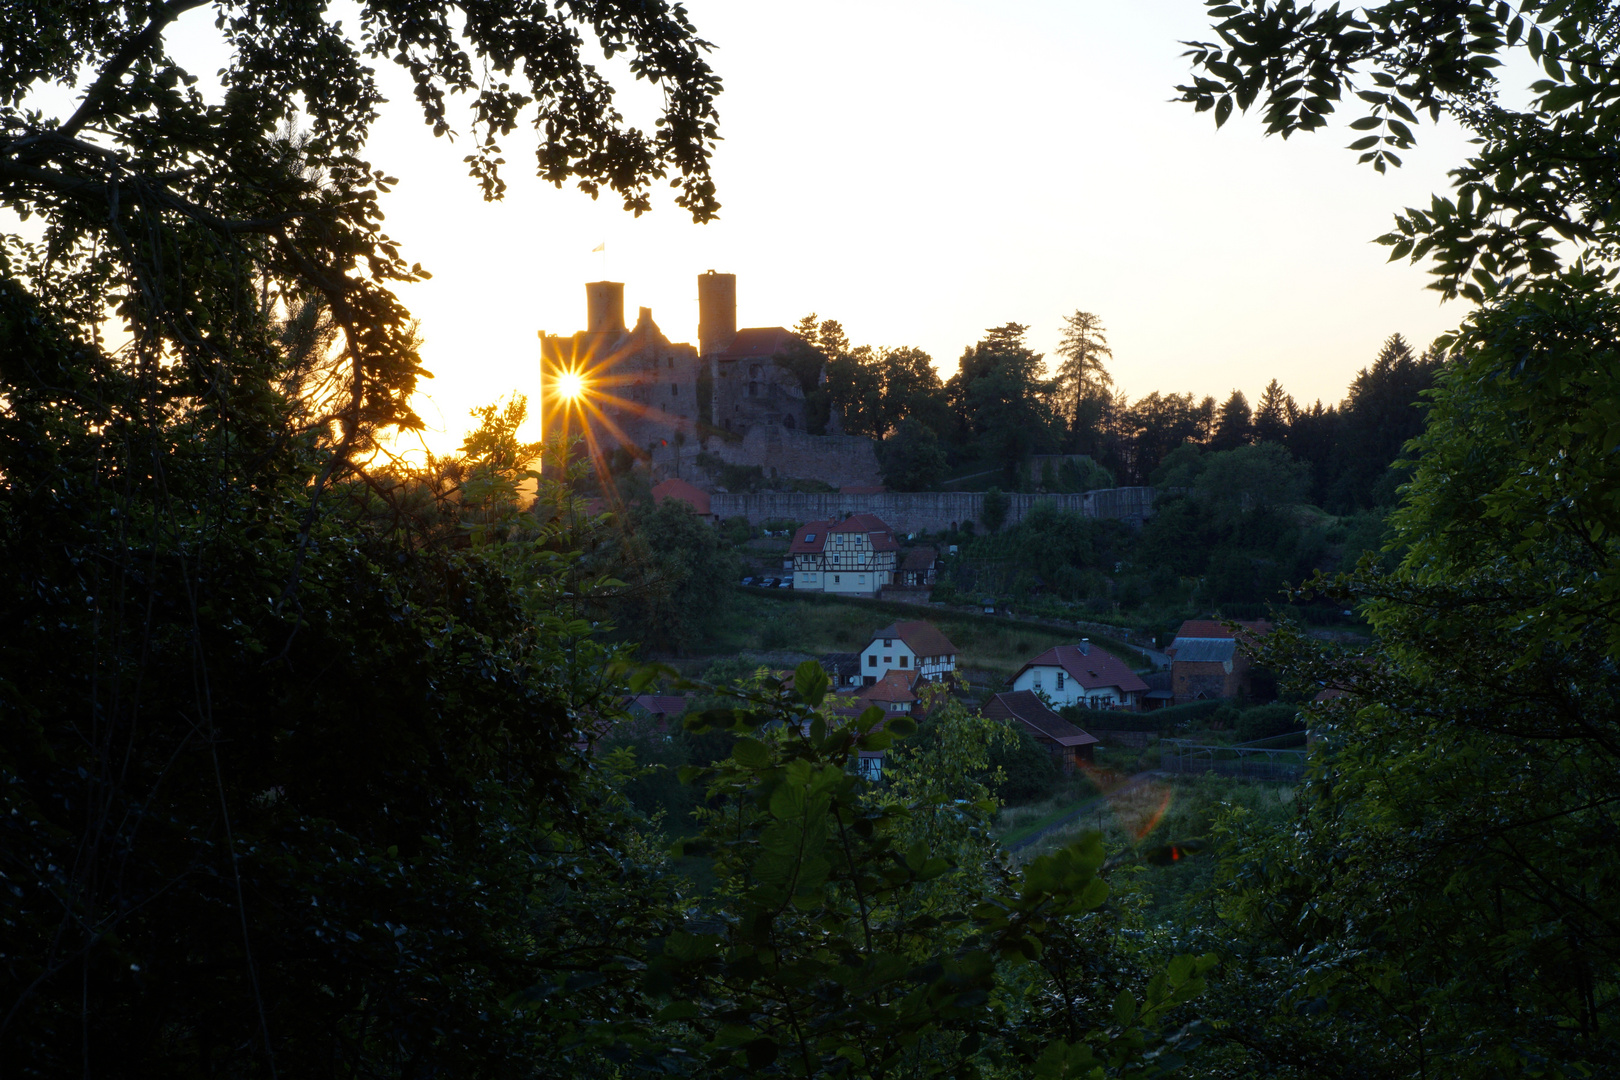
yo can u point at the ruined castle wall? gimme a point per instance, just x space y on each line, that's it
783 453
928 511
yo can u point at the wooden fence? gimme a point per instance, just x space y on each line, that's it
1250 761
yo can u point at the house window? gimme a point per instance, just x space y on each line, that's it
888 643
1037 678
838 577
902 661
888 660
871 661
1060 680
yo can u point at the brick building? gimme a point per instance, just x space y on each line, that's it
1208 660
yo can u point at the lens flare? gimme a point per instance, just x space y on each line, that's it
570 386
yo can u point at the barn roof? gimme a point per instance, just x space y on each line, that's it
1027 708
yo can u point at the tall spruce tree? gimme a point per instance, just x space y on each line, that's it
1233 424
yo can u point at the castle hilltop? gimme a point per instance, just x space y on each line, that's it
733 399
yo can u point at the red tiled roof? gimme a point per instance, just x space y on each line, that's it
1026 707
895 686
1093 670
882 536
922 638
810 537
686 492
1214 628
874 526
757 342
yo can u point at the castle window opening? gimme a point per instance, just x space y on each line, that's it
674 389
753 389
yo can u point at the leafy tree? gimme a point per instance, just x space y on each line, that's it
864 937
680 576
1233 425
1475 745
288 732
993 511
1158 423
911 457
912 390
1003 400
1253 480
1543 172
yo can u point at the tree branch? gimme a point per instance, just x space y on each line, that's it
121 62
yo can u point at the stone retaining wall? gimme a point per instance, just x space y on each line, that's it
927 511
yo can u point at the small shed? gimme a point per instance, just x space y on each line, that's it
1070 746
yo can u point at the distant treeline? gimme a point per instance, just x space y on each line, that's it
1006 404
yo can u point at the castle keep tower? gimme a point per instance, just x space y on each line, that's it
717 312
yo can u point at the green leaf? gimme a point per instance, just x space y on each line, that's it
1124 1008
810 682
750 753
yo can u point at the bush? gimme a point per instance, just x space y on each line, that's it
1030 773
1266 721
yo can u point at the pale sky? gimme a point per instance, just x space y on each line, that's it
923 171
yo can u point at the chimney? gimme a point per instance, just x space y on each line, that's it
717 311
604 307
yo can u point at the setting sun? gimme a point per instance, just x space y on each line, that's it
570 385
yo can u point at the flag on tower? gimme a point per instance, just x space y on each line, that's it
599 247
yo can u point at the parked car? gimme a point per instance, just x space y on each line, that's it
785 583
747 581
767 583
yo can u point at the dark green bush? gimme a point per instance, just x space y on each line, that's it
1030 774
1265 721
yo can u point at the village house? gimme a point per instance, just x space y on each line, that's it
1082 675
1069 746
856 555
917 568
1208 660
917 647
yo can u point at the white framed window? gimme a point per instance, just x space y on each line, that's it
1060 680
1037 678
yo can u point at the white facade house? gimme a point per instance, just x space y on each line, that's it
915 648
856 555
1082 675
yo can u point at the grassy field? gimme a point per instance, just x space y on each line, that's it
814 624
1139 819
